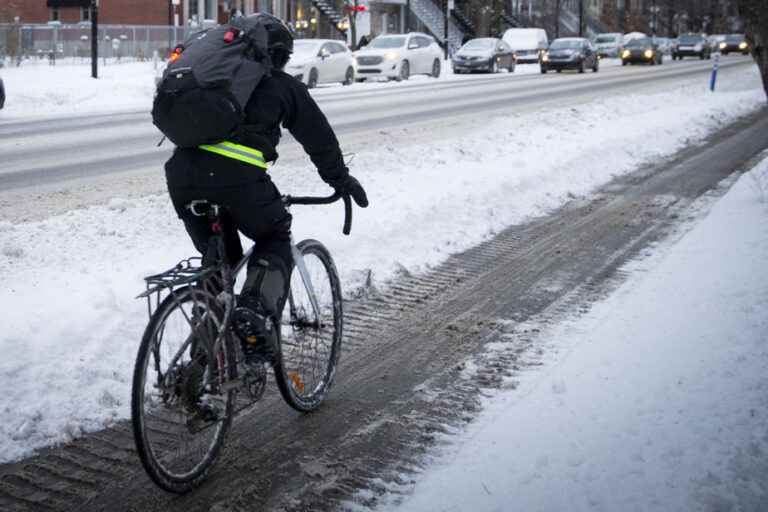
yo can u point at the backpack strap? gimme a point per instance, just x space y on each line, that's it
237 152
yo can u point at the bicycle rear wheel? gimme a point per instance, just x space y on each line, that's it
179 418
310 346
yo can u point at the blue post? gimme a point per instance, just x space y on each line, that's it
715 65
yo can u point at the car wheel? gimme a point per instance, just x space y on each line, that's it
313 77
511 67
405 71
597 66
624 63
581 66
349 77
544 70
493 66
436 69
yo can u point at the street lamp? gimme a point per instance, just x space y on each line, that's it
655 9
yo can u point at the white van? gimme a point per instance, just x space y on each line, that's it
527 43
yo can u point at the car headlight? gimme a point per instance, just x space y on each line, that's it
545 57
648 54
391 56
698 47
625 54
743 45
723 45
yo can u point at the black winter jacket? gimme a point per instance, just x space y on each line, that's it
283 100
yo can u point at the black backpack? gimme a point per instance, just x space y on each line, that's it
202 96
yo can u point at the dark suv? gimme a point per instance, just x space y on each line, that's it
691 45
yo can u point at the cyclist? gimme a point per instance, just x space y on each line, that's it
253 204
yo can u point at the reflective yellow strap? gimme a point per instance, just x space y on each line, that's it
237 152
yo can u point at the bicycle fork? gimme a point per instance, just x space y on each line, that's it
298 260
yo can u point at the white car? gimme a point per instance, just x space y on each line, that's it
399 56
529 44
321 61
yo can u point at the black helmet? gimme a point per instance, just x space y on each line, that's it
280 38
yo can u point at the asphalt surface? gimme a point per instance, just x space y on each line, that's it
401 381
50 153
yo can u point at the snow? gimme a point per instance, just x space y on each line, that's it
73 327
36 89
657 399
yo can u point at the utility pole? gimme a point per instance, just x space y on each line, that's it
95 38
407 16
448 7
581 18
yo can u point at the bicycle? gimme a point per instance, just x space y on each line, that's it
190 368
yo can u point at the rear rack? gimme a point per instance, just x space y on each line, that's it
188 271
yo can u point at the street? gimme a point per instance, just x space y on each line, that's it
550 195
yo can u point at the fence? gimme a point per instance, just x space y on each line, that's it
19 42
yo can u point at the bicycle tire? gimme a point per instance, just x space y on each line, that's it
290 381
152 461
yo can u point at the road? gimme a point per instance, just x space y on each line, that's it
51 153
401 381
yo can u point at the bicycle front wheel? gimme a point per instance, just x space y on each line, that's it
310 344
180 419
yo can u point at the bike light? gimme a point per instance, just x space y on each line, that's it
176 54
545 57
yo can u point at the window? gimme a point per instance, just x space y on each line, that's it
338 48
53 14
85 14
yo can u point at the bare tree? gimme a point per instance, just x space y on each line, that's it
755 16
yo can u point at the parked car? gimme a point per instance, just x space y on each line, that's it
691 45
643 51
664 44
487 54
2 94
321 61
529 44
609 44
734 43
399 56
570 53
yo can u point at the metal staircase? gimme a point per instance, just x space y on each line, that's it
328 8
433 18
464 22
512 21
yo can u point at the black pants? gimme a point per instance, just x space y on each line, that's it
253 206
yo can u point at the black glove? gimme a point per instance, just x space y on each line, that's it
348 185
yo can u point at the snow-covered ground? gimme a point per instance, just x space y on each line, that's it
657 399
71 325
38 90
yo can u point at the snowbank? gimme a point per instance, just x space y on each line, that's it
35 90
71 325
655 400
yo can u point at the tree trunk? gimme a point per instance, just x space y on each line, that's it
755 16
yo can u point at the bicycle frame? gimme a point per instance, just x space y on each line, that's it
185 274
